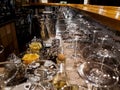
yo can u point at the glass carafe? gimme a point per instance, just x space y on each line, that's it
60 79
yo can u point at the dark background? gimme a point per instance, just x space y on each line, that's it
106 2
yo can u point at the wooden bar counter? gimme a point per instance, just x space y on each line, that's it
108 15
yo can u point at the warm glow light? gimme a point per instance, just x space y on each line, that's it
117 14
86 1
44 1
85 8
101 10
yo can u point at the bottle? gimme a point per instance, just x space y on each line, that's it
60 80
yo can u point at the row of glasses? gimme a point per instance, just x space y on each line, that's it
83 33
87 35
73 32
95 35
101 61
108 56
81 37
66 29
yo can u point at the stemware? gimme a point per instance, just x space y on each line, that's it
95 32
60 32
97 77
71 27
108 55
67 12
101 41
76 53
103 57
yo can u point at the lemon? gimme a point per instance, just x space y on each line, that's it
29 58
35 46
61 57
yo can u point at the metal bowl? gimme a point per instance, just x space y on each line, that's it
45 69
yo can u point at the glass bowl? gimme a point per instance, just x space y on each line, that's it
98 74
45 69
105 50
107 54
8 71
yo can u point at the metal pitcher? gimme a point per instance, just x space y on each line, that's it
47 26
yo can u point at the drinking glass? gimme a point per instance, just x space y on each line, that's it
8 72
105 54
108 55
76 53
98 74
71 27
101 42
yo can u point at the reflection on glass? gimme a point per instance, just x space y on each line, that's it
93 74
8 72
1 48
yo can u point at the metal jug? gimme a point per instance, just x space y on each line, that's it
47 25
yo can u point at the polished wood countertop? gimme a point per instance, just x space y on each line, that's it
108 11
109 15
